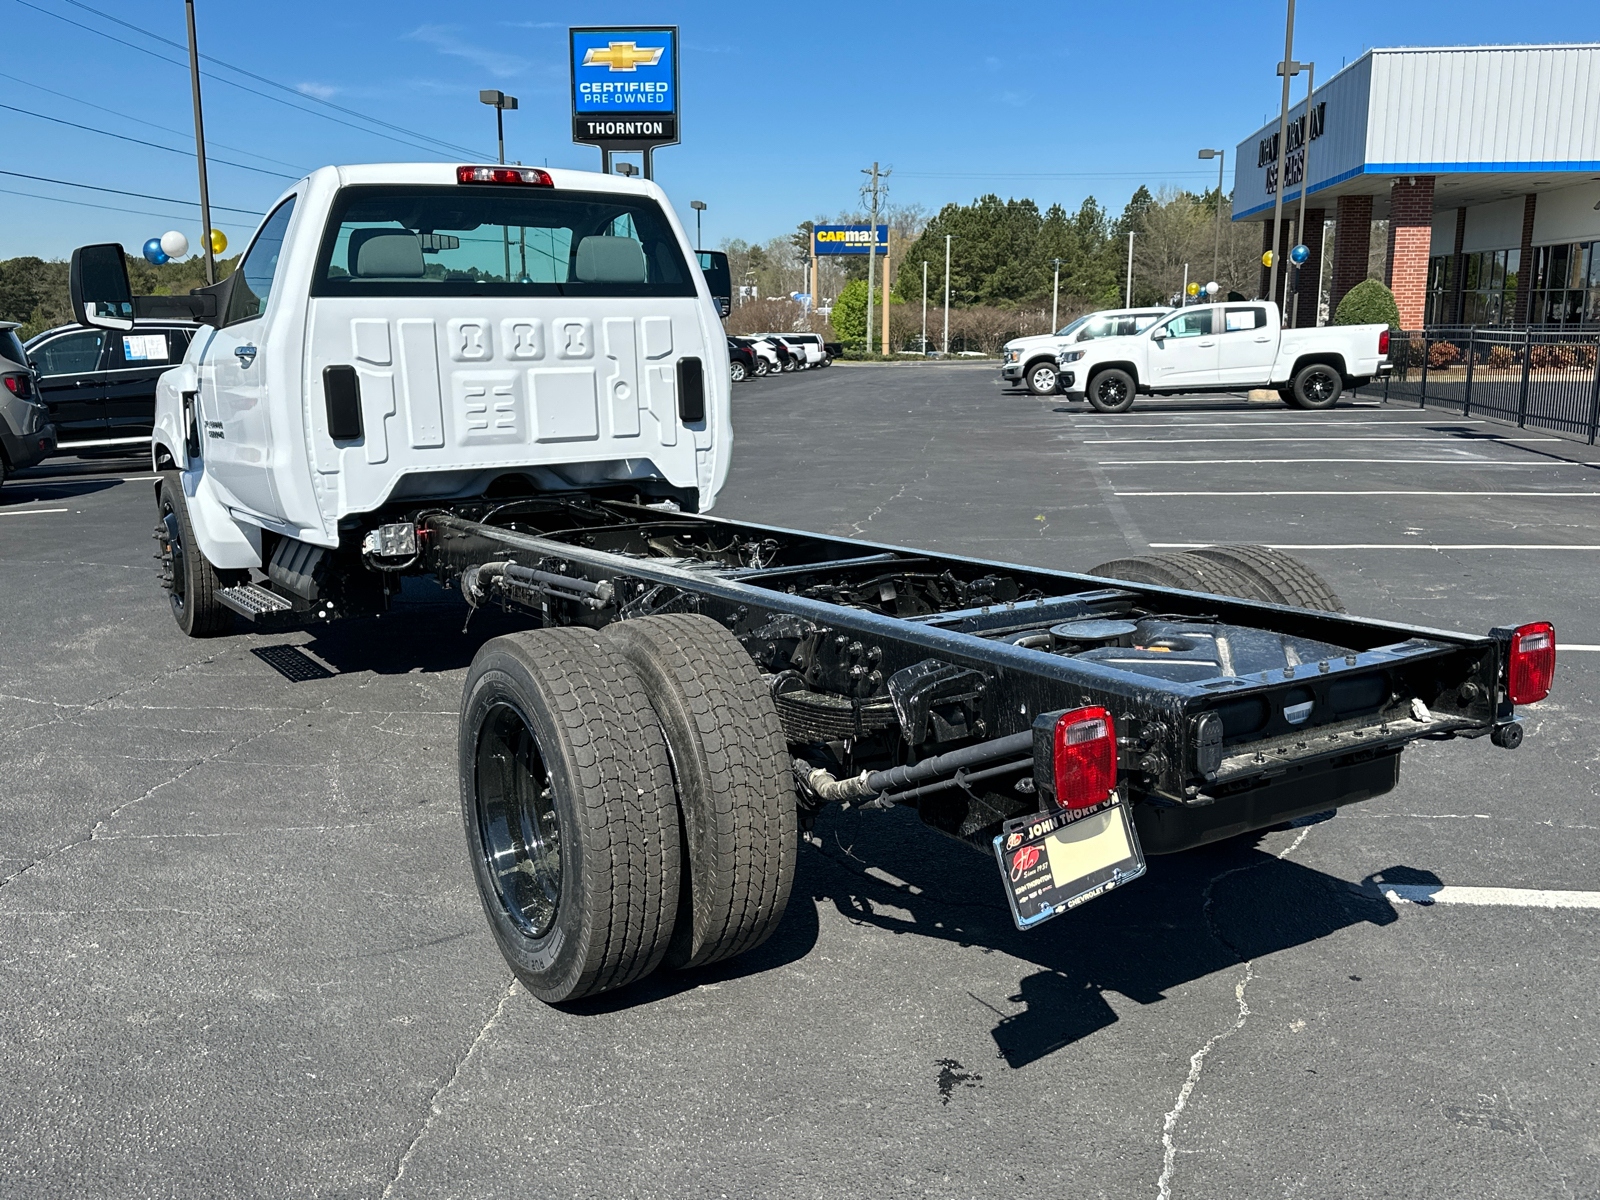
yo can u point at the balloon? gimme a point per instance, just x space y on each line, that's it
174 244
1212 289
153 253
219 242
1299 255
1266 259
1193 289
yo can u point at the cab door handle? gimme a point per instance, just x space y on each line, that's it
246 354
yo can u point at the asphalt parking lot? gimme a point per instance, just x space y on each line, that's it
241 954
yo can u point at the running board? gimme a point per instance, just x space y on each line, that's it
255 603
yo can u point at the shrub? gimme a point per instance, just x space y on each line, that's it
1500 357
1368 303
1443 354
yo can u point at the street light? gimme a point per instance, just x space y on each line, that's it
1216 254
626 170
499 101
1127 299
699 207
1055 296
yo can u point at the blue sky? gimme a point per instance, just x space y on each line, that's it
781 106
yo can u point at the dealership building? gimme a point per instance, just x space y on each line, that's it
1484 161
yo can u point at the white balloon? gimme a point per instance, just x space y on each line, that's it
1211 288
174 244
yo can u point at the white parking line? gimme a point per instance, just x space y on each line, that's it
1564 495
1383 546
1438 462
1275 424
1564 646
28 512
1376 437
1500 897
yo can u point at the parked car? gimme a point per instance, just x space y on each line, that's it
1225 348
1031 361
741 362
100 385
807 347
788 358
26 434
767 360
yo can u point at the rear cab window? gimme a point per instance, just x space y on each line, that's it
1242 320
413 240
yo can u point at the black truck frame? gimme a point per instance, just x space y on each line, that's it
908 679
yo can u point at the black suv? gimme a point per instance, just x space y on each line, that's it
100 384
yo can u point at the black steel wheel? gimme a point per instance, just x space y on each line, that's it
1318 386
1111 391
734 780
569 811
1041 379
737 370
191 582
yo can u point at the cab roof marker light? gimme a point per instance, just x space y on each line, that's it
1085 757
1533 662
517 175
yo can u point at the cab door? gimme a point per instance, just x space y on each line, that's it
237 426
71 385
1247 345
1187 355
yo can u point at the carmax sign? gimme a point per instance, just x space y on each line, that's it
849 239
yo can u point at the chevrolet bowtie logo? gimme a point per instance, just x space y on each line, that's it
623 56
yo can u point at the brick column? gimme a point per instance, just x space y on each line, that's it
1410 239
1311 273
1266 244
1530 203
1457 269
1352 242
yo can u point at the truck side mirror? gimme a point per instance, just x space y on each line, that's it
98 284
1159 335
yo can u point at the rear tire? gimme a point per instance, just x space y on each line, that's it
737 371
734 779
1187 571
1111 391
192 583
762 366
570 814
1317 386
1285 579
1041 379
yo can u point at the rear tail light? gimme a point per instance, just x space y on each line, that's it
1533 662
17 385
1383 342
525 175
1086 758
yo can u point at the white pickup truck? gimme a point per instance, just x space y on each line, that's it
1225 348
1031 361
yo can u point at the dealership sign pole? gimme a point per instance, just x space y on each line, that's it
625 89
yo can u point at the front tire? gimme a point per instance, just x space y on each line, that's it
192 583
1041 379
734 779
1111 391
1317 386
570 814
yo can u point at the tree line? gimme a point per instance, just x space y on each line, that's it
34 290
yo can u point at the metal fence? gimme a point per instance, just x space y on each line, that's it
1546 378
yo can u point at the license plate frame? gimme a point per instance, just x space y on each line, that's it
1051 863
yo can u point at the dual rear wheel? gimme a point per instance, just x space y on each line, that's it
628 801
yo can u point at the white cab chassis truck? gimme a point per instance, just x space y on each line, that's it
1230 347
514 381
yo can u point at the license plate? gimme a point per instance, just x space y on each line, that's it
1052 862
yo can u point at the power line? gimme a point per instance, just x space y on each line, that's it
232 83
249 212
141 142
153 125
293 91
138 212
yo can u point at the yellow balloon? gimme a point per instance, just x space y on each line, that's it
219 241
1266 259
1194 289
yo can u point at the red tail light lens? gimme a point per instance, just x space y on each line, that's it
15 385
1086 757
1533 662
1383 342
526 175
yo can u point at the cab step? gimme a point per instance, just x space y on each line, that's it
258 604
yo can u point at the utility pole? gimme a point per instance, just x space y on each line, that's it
1127 295
200 148
872 246
1305 185
888 253
947 295
1055 298
1283 152
1216 253
924 308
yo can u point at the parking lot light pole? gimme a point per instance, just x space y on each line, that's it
1055 297
1216 253
1127 294
498 101
947 295
200 149
924 307
699 207
1305 184
1284 69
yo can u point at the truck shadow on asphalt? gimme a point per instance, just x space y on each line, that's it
1192 915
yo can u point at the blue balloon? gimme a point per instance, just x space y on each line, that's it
1299 255
153 252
